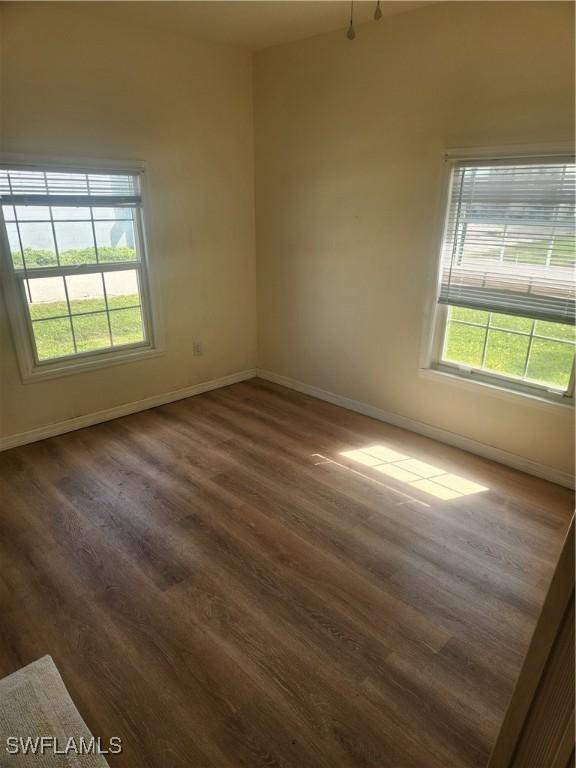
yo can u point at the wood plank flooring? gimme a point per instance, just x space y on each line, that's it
221 587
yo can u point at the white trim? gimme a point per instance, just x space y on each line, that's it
498 390
550 149
79 422
436 433
436 315
92 361
22 335
433 311
66 162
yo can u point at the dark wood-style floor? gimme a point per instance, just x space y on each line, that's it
220 587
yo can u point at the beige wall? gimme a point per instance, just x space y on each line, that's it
349 145
349 140
78 85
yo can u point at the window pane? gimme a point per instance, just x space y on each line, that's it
523 248
555 330
122 288
564 250
14 244
480 242
111 213
511 323
464 344
46 297
33 213
468 315
53 338
63 213
506 353
86 293
38 244
75 242
127 326
8 212
91 332
551 363
115 240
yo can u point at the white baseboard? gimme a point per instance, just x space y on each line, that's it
436 433
79 422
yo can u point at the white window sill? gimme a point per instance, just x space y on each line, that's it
494 389
94 362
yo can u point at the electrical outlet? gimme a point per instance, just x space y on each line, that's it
196 348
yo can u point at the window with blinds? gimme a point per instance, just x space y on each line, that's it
507 271
76 258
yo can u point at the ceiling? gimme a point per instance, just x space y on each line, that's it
252 24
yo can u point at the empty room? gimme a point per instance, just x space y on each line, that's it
287 343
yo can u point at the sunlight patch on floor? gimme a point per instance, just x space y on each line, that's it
415 473
320 460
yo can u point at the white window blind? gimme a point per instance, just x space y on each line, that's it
509 245
77 264
31 187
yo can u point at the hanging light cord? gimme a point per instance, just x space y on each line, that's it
351 34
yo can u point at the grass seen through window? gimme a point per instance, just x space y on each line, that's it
91 330
90 322
517 347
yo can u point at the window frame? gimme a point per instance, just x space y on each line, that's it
436 315
31 368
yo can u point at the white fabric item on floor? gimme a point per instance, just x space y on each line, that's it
34 702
